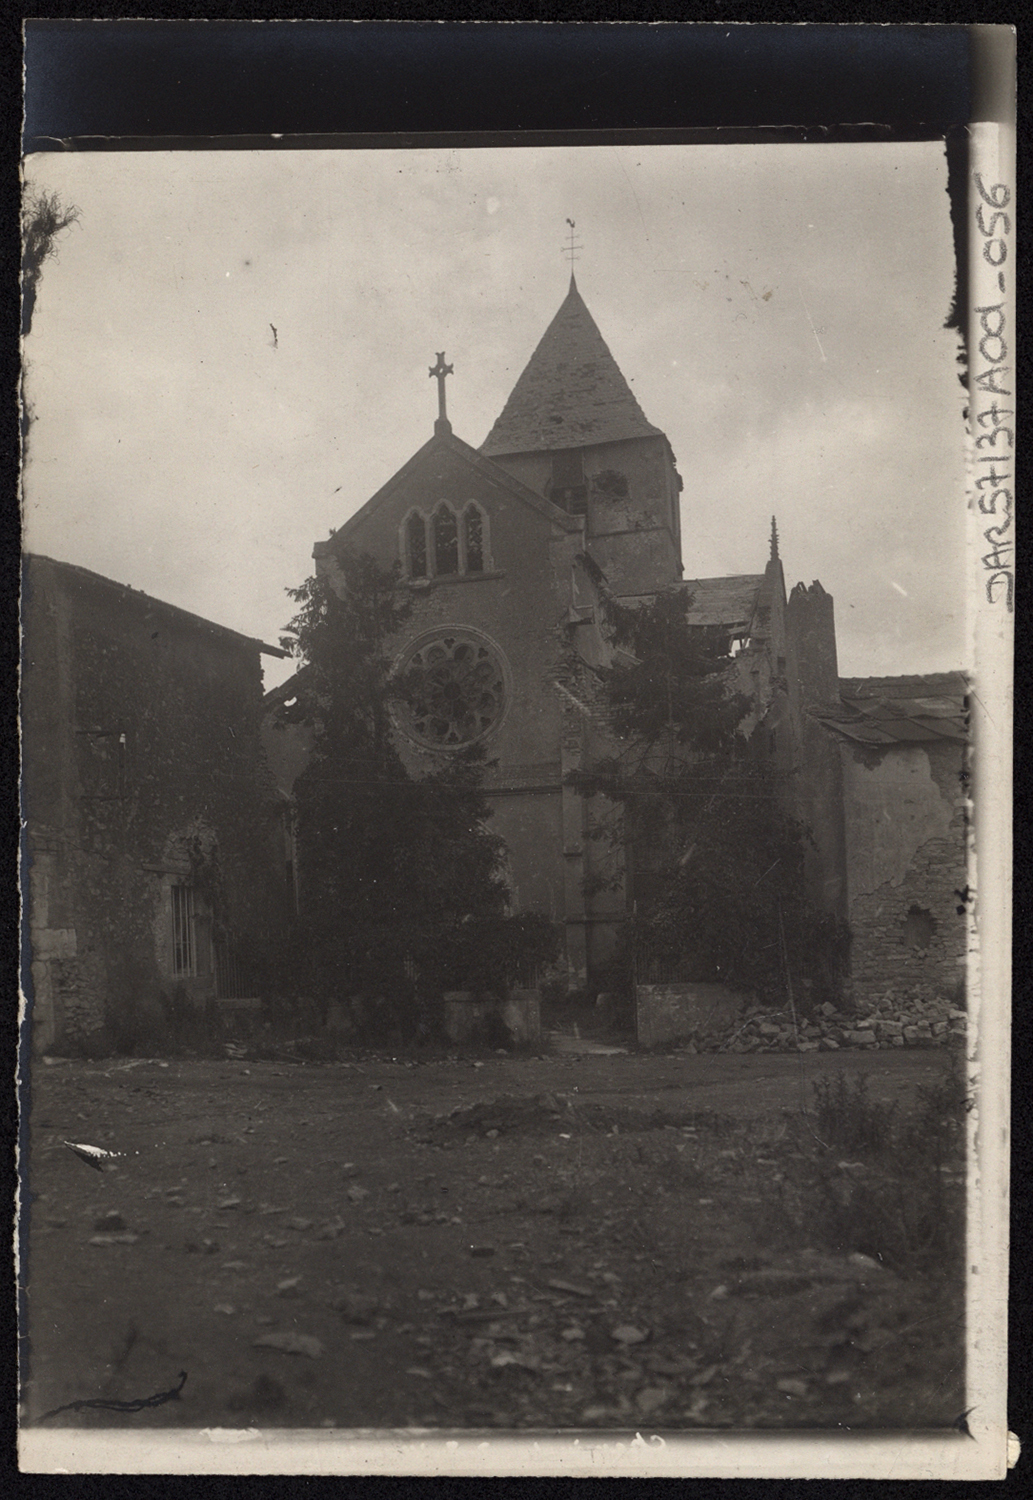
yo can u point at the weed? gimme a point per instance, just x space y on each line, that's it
872 1178
846 1119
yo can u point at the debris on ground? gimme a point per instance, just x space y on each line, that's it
291 1343
579 1241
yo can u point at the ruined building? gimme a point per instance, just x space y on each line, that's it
902 744
155 851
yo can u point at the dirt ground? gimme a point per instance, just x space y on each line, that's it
568 1241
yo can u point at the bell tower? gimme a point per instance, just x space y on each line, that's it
573 430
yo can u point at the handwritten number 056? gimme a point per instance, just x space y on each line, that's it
995 251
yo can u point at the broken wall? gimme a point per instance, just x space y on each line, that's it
905 821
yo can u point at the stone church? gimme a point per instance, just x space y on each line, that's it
508 550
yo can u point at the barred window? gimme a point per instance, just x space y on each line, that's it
234 977
184 946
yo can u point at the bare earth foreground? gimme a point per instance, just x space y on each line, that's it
596 1241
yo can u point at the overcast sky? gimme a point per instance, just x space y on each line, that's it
778 311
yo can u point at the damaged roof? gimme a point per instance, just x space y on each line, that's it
901 710
724 601
571 393
728 602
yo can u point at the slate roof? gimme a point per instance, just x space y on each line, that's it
728 602
571 394
901 710
83 578
723 601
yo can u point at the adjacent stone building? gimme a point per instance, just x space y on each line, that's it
155 850
902 744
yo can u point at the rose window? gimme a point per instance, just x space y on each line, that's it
455 690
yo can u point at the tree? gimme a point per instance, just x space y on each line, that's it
731 902
669 687
714 854
400 875
44 217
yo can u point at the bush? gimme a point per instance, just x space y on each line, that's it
877 1179
490 954
847 1120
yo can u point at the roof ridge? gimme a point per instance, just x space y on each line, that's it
140 596
905 682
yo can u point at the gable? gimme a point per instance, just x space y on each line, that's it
129 608
450 516
445 468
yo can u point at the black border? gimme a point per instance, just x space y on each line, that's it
499 68
227 78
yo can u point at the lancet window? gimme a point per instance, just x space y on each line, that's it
445 543
473 538
416 546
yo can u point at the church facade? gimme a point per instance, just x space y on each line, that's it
508 551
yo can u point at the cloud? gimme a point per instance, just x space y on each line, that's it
778 311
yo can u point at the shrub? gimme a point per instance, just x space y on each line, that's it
847 1120
492 953
878 1179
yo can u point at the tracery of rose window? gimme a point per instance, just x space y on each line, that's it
456 690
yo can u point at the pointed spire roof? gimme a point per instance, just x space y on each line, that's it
572 393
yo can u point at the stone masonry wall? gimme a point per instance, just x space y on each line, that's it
140 725
890 1023
906 839
910 938
674 1012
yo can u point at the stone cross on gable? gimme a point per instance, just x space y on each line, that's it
439 372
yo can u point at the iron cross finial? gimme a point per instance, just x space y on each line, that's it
438 372
572 247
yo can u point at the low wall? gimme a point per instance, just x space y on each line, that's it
675 1012
469 1017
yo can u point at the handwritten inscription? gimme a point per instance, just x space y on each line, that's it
994 437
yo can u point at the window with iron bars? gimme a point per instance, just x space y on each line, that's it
184 939
234 975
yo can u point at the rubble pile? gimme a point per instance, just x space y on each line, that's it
891 1021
